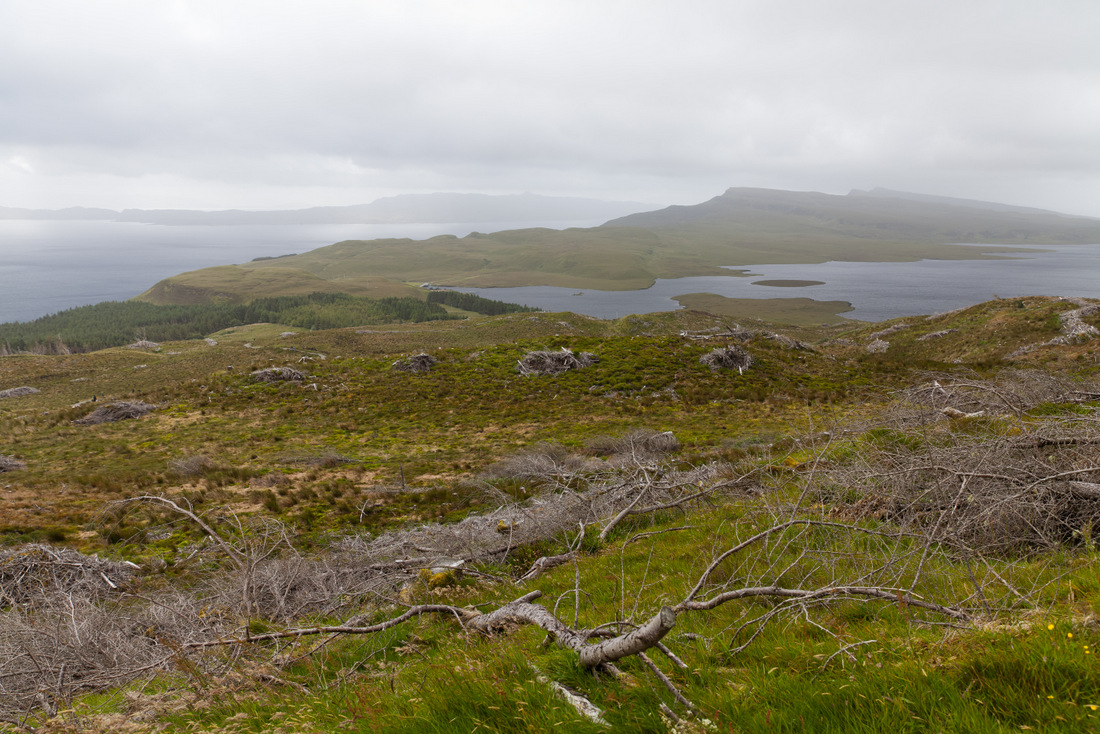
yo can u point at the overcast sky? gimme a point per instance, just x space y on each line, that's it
278 104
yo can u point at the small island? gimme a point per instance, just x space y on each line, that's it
788 283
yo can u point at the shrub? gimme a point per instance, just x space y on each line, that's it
417 364
116 412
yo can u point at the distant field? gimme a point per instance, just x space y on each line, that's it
788 283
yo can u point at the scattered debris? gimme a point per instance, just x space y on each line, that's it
789 342
731 357
554 363
15 392
1021 351
327 459
943 314
956 414
116 412
582 705
10 463
545 462
639 445
1074 329
191 466
278 374
417 363
889 330
26 571
936 335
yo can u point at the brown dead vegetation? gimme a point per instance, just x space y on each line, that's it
997 475
639 445
10 463
15 392
278 374
1025 482
113 412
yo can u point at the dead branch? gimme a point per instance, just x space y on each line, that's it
581 704
545 563
893 595
236 555
519 612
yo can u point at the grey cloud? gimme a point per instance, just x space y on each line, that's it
602 98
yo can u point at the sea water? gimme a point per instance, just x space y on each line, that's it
876 290
49 266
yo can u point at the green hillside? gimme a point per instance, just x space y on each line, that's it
741 227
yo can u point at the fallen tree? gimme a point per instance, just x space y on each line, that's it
790 548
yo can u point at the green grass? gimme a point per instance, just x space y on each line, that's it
428 677
470 410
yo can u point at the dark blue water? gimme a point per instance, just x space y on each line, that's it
47 266
878 291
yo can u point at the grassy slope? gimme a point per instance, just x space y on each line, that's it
909 678
431 429
471 409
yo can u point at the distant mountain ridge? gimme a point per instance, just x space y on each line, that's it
882 193
878 214
740 228
406 208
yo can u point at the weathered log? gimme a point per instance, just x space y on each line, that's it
518 612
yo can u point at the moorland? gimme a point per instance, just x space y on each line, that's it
524 521
455 515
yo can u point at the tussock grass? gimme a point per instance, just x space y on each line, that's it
773 434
